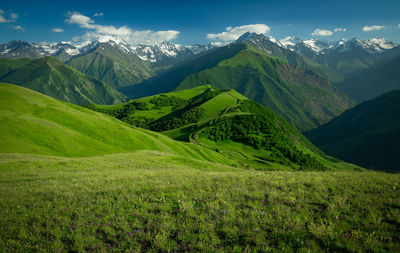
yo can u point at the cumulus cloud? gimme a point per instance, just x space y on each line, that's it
98 14
17 27
321 32
129 35
398 25
339 29
219 43
12 17
233 33
57 30
372 28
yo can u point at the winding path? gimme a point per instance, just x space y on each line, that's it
193 136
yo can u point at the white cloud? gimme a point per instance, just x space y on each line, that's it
17 27
123 32
218 43
372 28
12 17
339 29
57 30
320 32
233 33
398 25
98 14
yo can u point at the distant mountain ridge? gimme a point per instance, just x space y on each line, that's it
164 53
368 134
338 57
52 77
372 82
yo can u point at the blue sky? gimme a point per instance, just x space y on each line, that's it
190 22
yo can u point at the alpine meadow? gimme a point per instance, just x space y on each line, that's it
220 126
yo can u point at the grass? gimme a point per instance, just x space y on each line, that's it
35 124
154 201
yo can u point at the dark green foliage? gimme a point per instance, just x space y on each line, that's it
164 100
131 107
180 118
263 134
124 113
205 96
368 134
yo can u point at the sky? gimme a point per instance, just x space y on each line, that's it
201 21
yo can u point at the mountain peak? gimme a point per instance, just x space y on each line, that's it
248 36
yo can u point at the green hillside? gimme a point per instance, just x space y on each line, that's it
373 82
36 124
224 121
55 79
368 134
112 66
300 96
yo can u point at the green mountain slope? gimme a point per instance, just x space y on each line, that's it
33 123
112 66
53 78
224 121
373 82
368 134
300 96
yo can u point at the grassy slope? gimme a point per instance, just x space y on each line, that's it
53 78
112 66
368 134
373 82
220 105
301 97
151 201
35 124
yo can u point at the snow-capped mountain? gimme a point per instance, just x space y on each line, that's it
320 47
312 47
22 49
372 46
165 53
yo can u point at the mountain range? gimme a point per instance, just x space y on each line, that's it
161 54
299 95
